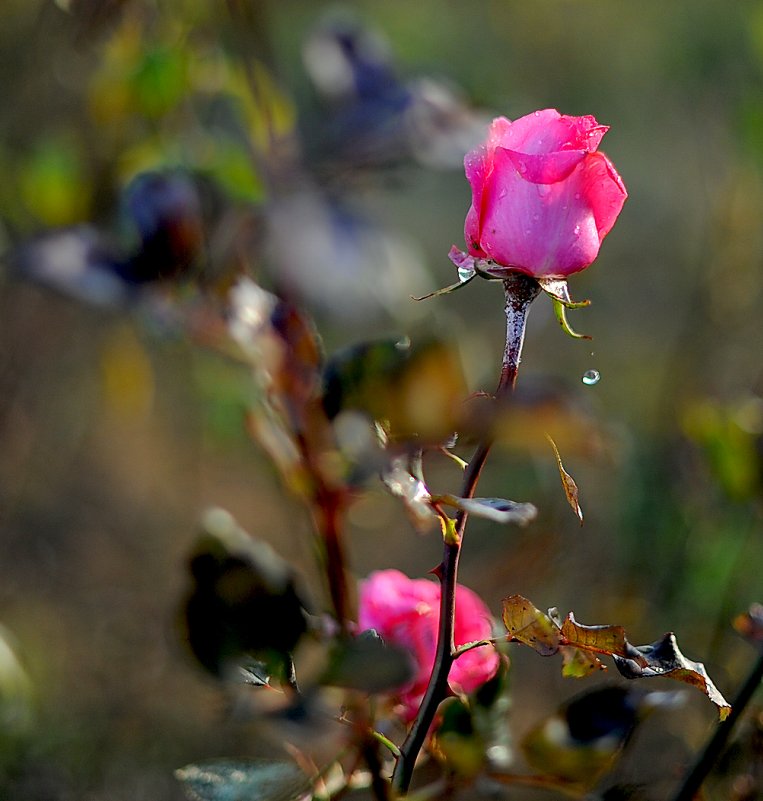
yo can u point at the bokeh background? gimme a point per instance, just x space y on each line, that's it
119 429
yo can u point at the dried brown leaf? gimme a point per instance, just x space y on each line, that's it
568 483
528 625
663 658
605 639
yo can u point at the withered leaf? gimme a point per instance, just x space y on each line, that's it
528 625
601 639
663 658
568 483
578 643
414 493
499 510
577 664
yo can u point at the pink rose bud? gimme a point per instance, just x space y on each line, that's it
406 613
543 198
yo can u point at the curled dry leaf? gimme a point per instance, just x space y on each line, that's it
568 482
579 643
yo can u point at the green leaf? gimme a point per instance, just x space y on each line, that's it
499 510
368 664
568 483
243 780
528 625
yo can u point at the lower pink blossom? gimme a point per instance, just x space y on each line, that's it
406 612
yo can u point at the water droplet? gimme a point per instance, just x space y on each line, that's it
591 377
577 195
576 230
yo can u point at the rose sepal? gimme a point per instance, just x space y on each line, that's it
558 291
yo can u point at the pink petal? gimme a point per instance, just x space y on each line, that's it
542 230
547 168
605 191
549 131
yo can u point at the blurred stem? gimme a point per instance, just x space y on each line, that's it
707 758
520 291
330 512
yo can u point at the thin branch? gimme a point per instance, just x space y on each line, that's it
520 292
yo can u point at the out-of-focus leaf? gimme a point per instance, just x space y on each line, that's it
729 442
527 624
16 707
663 658
160 80
53 183
368 664
163 211
255 673
244 600
538 407
499 510
400 481
750 624
78 262
243 780
568 483
416 390
581 741
457 741
281 344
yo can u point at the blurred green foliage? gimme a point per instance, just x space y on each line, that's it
115 438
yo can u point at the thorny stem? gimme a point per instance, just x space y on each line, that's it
520 291
706 759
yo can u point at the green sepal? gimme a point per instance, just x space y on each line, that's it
446 290
557 289
560 312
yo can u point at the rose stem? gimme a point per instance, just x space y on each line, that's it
520 291
706 759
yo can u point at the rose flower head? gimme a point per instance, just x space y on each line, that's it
406 612
543 197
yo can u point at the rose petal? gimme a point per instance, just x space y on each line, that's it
604 190
548 131
547 168
539 229
406 612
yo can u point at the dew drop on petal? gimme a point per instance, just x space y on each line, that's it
591 377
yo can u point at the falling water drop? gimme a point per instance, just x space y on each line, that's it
591 377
